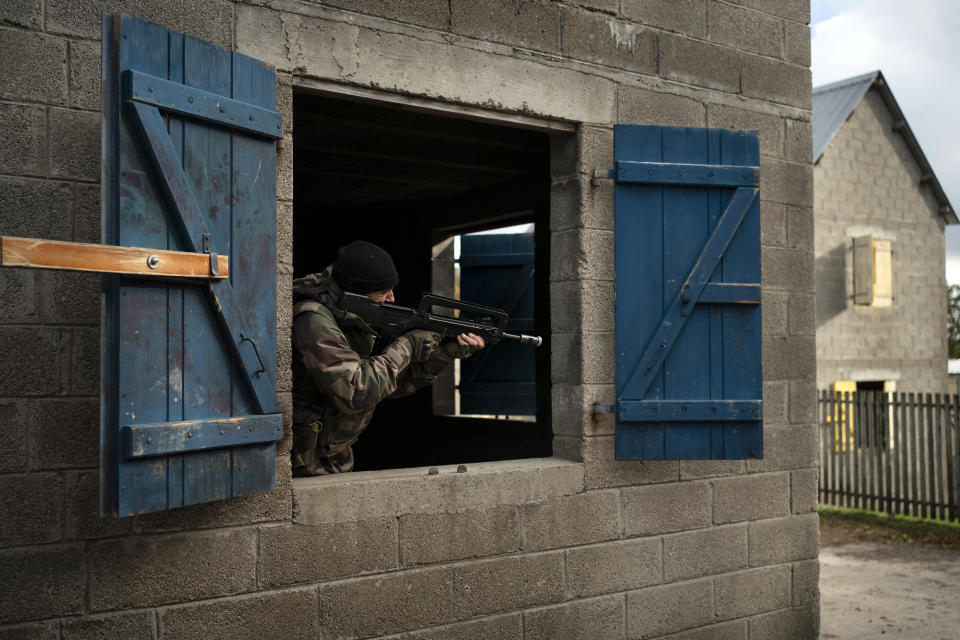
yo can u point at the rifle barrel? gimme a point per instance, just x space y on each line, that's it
523 338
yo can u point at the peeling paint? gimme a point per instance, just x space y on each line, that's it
624 34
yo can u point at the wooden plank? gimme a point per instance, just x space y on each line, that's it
694 175
730 293
37 253
912 457
953 472
889 412
844 452
196 103
162 438
688 410
858 420
870 449
931 479
923 427
896 490
937 466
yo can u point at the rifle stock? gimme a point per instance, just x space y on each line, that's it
395 320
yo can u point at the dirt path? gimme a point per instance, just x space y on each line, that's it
872 590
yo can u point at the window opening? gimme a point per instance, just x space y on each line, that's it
422 186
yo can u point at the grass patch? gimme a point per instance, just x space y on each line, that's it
839 523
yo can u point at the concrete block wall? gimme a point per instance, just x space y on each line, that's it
575 546
868 183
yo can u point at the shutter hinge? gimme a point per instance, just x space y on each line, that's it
599 409
601 174
214 261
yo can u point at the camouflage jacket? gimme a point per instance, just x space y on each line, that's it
338 381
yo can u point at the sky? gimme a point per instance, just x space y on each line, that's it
916 44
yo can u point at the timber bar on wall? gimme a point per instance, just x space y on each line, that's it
34 253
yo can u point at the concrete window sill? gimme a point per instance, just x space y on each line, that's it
350 497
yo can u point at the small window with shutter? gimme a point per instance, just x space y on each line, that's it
872 271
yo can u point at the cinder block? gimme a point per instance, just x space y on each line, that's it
285 233
291 554
507 584
736 630
18 296
751 497
784 539
51 419
150 570
74 144
751 592
688 17
798 11
614 566
606 6
665 609
791 357
798 140
31 505
428 13
85 75
34 67
642 106
745 29
582 254
775 402
666 508
285 169
800 232
773 224
386 603
69 297
775 81
803 622
13 436
577 306
32 362
268 506
133 626
803 401
38 631
23 13
86 224
82 519
695 469
683 555
210 21
601 470
803 321
567 448
599 38
787 182
23 130
573 407
506 627
531 25
576 203
50 582
594 619
699 63
36 208
590 148
770 126
84 361
427 538
372 494
804 490
796 43
586 358
776 318
282 614
806 582
784 448
571 520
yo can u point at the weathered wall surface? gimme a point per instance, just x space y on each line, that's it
577 546
868 183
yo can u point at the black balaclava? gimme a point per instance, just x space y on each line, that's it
363 267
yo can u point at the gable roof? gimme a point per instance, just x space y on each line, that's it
832 105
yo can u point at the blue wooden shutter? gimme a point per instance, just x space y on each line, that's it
188 406
688 379
496 270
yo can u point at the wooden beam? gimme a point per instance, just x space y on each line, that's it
35 253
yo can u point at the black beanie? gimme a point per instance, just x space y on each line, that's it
363 267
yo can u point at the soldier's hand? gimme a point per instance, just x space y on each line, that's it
465 345
422 343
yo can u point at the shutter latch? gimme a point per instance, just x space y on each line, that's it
214 262
599 409
601 174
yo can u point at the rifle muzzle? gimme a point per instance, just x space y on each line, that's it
523 339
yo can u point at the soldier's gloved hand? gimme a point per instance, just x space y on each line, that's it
421 342
464 346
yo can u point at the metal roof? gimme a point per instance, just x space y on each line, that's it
832 105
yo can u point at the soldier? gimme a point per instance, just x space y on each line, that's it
340 373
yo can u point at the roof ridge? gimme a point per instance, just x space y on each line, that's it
839 84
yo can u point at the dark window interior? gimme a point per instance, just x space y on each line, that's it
407 181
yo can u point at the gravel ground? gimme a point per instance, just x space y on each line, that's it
874 590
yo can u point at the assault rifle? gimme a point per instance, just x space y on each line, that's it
393 320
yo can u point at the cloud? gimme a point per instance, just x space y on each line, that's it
915 45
